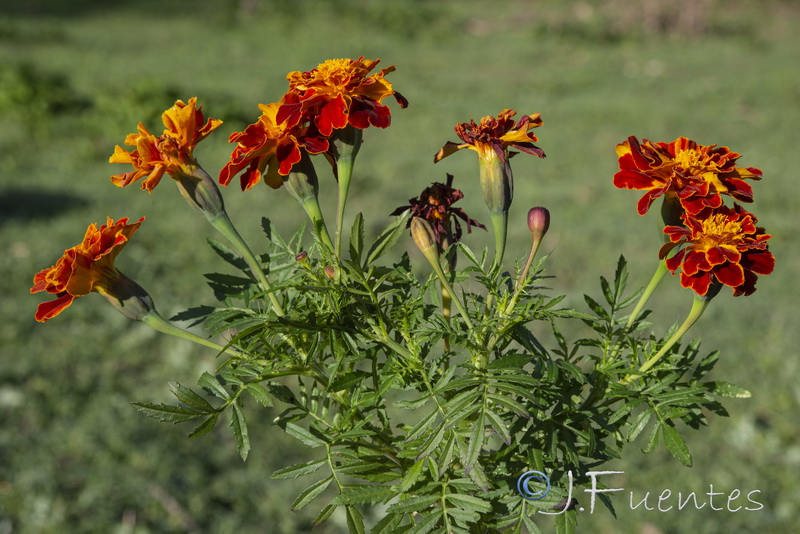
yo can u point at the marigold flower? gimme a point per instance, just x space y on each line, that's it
696 174
337 93
435 205
494 136
723 246
271 146
87 267
171 153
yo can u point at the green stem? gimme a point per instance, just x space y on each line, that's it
447 287
654 281
500 227
155 321
311 205
523 275
344 170
699 305
224 225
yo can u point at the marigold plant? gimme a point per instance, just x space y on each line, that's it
421 391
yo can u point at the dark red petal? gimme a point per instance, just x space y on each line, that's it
332 115
731 274
48 310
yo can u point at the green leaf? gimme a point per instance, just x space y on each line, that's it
355 523
411 475
469 502
676 445
190 398
212 384
432 442
639 424
413 504
499 427
726 389
567 522
303 435
299 470
240 435
324 514
357 239
167 413
388 238
427 523
421 426
260 394
475 441
205 427
310 493
388 525
347 380
652 441
510 361
365 495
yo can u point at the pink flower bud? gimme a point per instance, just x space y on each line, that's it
330 272
538 221
302 257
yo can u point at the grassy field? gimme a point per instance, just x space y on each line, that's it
76 457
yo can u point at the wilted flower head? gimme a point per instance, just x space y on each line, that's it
171 153
338 93
435 205
494 136
696 174
723 246
84 268
271 146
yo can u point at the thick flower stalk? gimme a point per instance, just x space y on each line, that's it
173 154
492 139
340 98
694 175
722 245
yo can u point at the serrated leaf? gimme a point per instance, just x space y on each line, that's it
411 475
357 238
432 442
211 383
323 515
387 525
676 445
421 426
299 470
496 422
469 502
355 523
303 435
388 238
510 361
413 504
260 394
365 495
167 413
726 389
347 380
652 441
205 427
240 434
310 493
475 441
567 522
190 398
427 523
639 424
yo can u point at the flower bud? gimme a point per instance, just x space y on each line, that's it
425 239
330 272
302 257
538 221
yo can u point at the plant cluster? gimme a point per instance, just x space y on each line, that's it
429 416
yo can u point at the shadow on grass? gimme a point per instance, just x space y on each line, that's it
27 204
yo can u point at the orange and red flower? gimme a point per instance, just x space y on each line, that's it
494 136
696 174
271 146
171 153
435 205
723 246
84 268
339 92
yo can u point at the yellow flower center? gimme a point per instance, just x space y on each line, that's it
334 72
720 231
694 163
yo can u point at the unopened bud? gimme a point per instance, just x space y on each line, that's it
302 257
538 221
330 272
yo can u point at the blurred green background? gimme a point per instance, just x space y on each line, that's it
76 77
